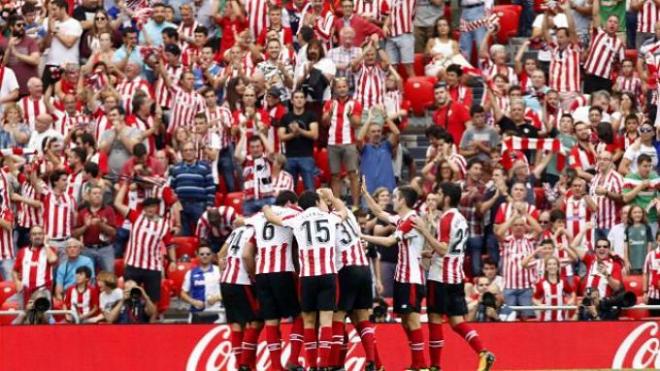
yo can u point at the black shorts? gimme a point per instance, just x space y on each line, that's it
240 303
149 279
318 293
355 288
446 298
277 295
408 297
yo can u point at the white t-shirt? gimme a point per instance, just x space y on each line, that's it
617 236
632 155
582 114
107 301
560 21
59 54
37 138
9 84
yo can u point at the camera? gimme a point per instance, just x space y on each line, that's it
135 294
488 300
42 304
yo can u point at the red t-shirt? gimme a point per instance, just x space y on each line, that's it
452 117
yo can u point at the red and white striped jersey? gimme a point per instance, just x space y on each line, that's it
315 232
647 17
83 302
33 267
652 270
629 84
605 51
184 108
235 272
163 95
323 22
143 126
393 101
513 251
274 243
369 85
240 119
402 13
28 216
127 90
505 211
187 31
32 107
564 74
210 140
607 214
283 182
284 35
58 213
164 193
460 161
101 124
341 131
220 120
578 214
579 158
452 230
376 9
597 281
74 185
409 267
490 69
6 237
275 113
257 178
4 188
65 122
145 241
349 245
257 15
204 228
552 294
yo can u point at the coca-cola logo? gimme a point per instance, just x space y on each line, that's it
213 353
643 341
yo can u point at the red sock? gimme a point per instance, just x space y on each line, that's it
417 347
408 336
470 335
236 341
249 356
337 341
274 346
343 350
296 340
310 347
325 339
436 342
368 339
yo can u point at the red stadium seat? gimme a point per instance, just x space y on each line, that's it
419 64
509 19
7 290
635 314
119 267
322 162
165 293
634 284
185 246
419 91
631 54
8 306
177 275
235 200
219 199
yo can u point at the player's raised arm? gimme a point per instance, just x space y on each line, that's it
387 241
373 205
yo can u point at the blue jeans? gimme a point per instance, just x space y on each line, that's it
191 213
631 28
226 167
254 206
104 258
523 297
6 266
303 166
121 238
493 248
466 39
526 17
475 246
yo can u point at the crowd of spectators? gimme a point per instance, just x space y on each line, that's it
126 125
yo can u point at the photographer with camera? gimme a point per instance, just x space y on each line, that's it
594 307
134 307
482 303
36 308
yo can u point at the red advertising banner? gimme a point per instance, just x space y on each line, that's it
518 346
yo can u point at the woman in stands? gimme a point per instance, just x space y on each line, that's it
553 290
442 50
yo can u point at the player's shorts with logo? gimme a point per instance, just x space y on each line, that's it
408 297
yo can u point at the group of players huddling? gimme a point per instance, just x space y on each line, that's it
331 279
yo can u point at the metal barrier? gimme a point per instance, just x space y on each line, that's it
571 307
17 312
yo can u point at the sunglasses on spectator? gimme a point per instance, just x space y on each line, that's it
100 18
646 129
602 246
